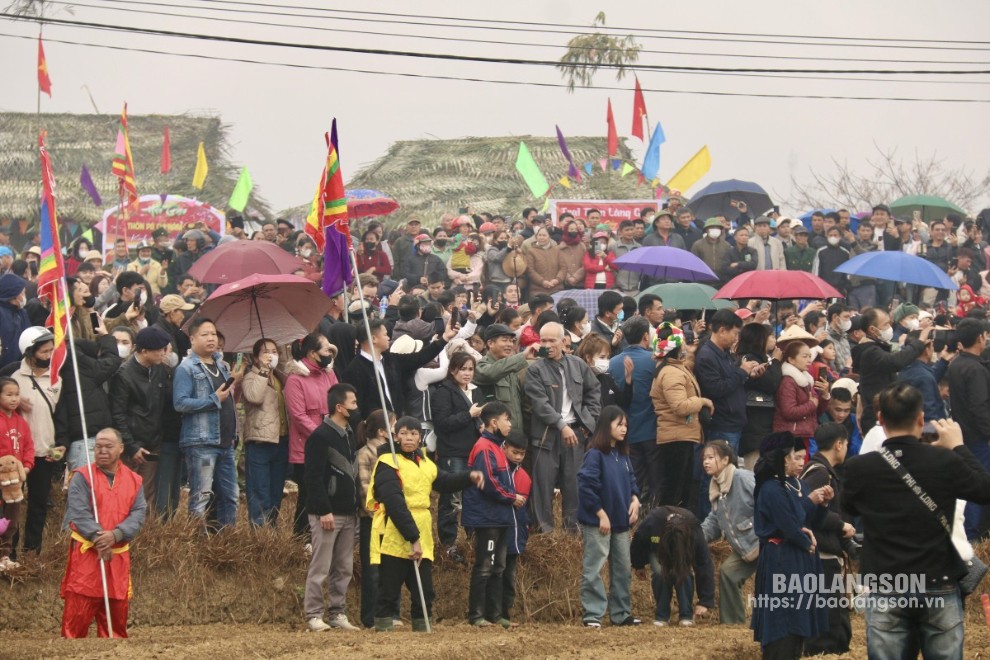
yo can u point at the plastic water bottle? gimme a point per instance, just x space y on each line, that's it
382 307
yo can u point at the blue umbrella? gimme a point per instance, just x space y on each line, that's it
715 198
668 263
898 267
586 298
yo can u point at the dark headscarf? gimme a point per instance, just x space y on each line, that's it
773 449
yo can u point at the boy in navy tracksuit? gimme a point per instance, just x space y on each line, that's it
515 450
488 512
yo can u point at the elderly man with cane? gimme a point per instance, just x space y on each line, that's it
105 508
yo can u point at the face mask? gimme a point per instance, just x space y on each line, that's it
306 253
572 233
43 364
326 361
442 243
274 361
714 233
833 240
369 246
585 328
89 301
602 247
887 334
913 324
21 302
501 245
123 351
143 261
425 248
141 324
172 360
81 254
601 365
845 325
621 317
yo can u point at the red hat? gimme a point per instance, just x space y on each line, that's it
600 234
423 238
487 227
463 220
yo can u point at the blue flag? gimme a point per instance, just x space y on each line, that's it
651 162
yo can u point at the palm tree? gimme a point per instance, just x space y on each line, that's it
586 53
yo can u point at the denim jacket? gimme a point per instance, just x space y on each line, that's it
197 402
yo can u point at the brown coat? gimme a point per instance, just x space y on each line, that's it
261 407
572 260
542 266
677 401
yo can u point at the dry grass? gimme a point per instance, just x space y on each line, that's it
248 576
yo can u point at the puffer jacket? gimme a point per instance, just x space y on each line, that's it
98 361
677 401
306 404
596 264
519 532
542 266
795 410
732 516
262 407
491 505
39 393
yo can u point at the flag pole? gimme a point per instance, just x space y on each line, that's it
388 427
89 465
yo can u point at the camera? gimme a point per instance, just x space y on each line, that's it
945 340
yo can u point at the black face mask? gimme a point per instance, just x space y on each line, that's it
441 243
325 361
502 245
43 364
89 301
370 247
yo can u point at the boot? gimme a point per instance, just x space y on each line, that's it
384 624
419 625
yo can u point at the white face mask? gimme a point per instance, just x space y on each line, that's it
274 361
845 325
601 365
585 328
833 240
912 325
123 351
714 233
887 334
172 360
306 253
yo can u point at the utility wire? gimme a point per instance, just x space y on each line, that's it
494 81
269 23
478 58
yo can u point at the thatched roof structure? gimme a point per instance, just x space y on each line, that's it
433 177
77 140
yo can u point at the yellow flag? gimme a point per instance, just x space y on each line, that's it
626 169
202 169
565 181
693 170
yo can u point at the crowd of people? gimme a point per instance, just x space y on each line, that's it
655 431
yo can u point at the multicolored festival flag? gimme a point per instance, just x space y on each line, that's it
329 227
51 270
123 162
44 81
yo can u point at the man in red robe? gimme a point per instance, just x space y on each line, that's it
120 509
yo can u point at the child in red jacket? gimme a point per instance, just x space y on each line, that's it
15 440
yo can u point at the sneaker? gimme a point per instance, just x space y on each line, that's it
317 624
397 623
686 622
507 624
592 624
630 621
481 623
455 555
340 621
660 624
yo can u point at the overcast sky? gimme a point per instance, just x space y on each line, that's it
279 114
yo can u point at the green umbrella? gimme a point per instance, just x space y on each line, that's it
930 206
688 295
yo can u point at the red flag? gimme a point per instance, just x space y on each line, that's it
166 154
639 111
51 270
44 82
613 135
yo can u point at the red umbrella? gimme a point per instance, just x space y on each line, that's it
236 260
777 285
363 203
282 308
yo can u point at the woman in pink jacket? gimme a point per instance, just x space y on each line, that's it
800 399
599 266
306 404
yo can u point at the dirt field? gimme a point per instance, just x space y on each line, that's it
239 594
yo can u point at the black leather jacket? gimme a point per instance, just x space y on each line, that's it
140 402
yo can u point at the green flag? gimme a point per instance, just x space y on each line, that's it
239 198
530 172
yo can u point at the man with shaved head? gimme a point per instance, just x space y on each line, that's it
566 400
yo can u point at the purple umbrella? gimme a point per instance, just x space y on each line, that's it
668 263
